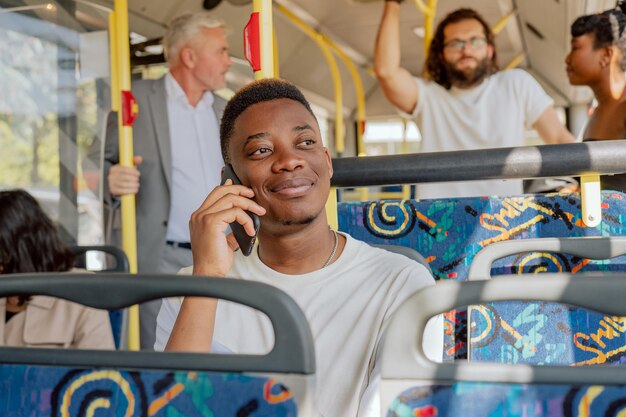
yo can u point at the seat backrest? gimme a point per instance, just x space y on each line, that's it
121 260
450 232
77 382
584 247
413 385
541 333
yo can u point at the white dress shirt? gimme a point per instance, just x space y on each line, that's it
196 156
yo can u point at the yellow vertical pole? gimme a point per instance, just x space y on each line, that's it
266 29
358 88
129 230
331 209
515 61
334 71
360 105
331 204
406 188
429 26
497 28
275 53
429 12
115 89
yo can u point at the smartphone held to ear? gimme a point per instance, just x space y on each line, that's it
246 243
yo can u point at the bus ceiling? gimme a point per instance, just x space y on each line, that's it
535 37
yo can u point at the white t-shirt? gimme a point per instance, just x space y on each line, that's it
347 305
491 115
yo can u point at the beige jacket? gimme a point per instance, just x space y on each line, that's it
56 323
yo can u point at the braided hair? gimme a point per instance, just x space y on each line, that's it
607 27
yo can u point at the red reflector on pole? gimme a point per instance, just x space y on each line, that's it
129 108
252 42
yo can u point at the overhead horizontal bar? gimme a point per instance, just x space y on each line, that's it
598 157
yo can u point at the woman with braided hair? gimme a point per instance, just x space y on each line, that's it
598 59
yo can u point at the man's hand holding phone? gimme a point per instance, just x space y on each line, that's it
243 238
212 248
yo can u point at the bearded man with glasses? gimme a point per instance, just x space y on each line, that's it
463 101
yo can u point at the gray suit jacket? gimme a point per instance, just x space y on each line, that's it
151 140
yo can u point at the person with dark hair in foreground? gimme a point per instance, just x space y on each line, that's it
464 102
347 289
597 59
29 243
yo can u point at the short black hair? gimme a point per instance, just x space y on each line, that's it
603 30
256 92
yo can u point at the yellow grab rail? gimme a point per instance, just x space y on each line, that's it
406 188
360 94
360 106
331 209
125 136
429 11
334 70
115 89
322 42
423 7
500 24
515 61
275 55
266 35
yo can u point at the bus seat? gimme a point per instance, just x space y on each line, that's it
120 264
450 232
584 247
56 382
540 333
412 385
408 252
111 252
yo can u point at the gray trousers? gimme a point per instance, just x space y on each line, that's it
172 260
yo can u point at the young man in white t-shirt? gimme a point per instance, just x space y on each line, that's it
347 289
465 103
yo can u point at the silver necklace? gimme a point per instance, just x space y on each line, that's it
332 254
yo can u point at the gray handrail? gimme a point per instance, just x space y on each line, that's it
598 157
403 356
121 260
593 247
293 350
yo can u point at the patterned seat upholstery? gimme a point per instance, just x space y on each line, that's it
448 233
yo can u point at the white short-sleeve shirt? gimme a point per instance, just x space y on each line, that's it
347 305
494 114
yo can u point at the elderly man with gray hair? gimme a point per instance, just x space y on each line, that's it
177 148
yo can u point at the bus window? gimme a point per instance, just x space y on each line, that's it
52 113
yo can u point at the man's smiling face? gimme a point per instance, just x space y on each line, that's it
276 149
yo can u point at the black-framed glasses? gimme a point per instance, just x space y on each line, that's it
459 45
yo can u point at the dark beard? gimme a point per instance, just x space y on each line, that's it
462 79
